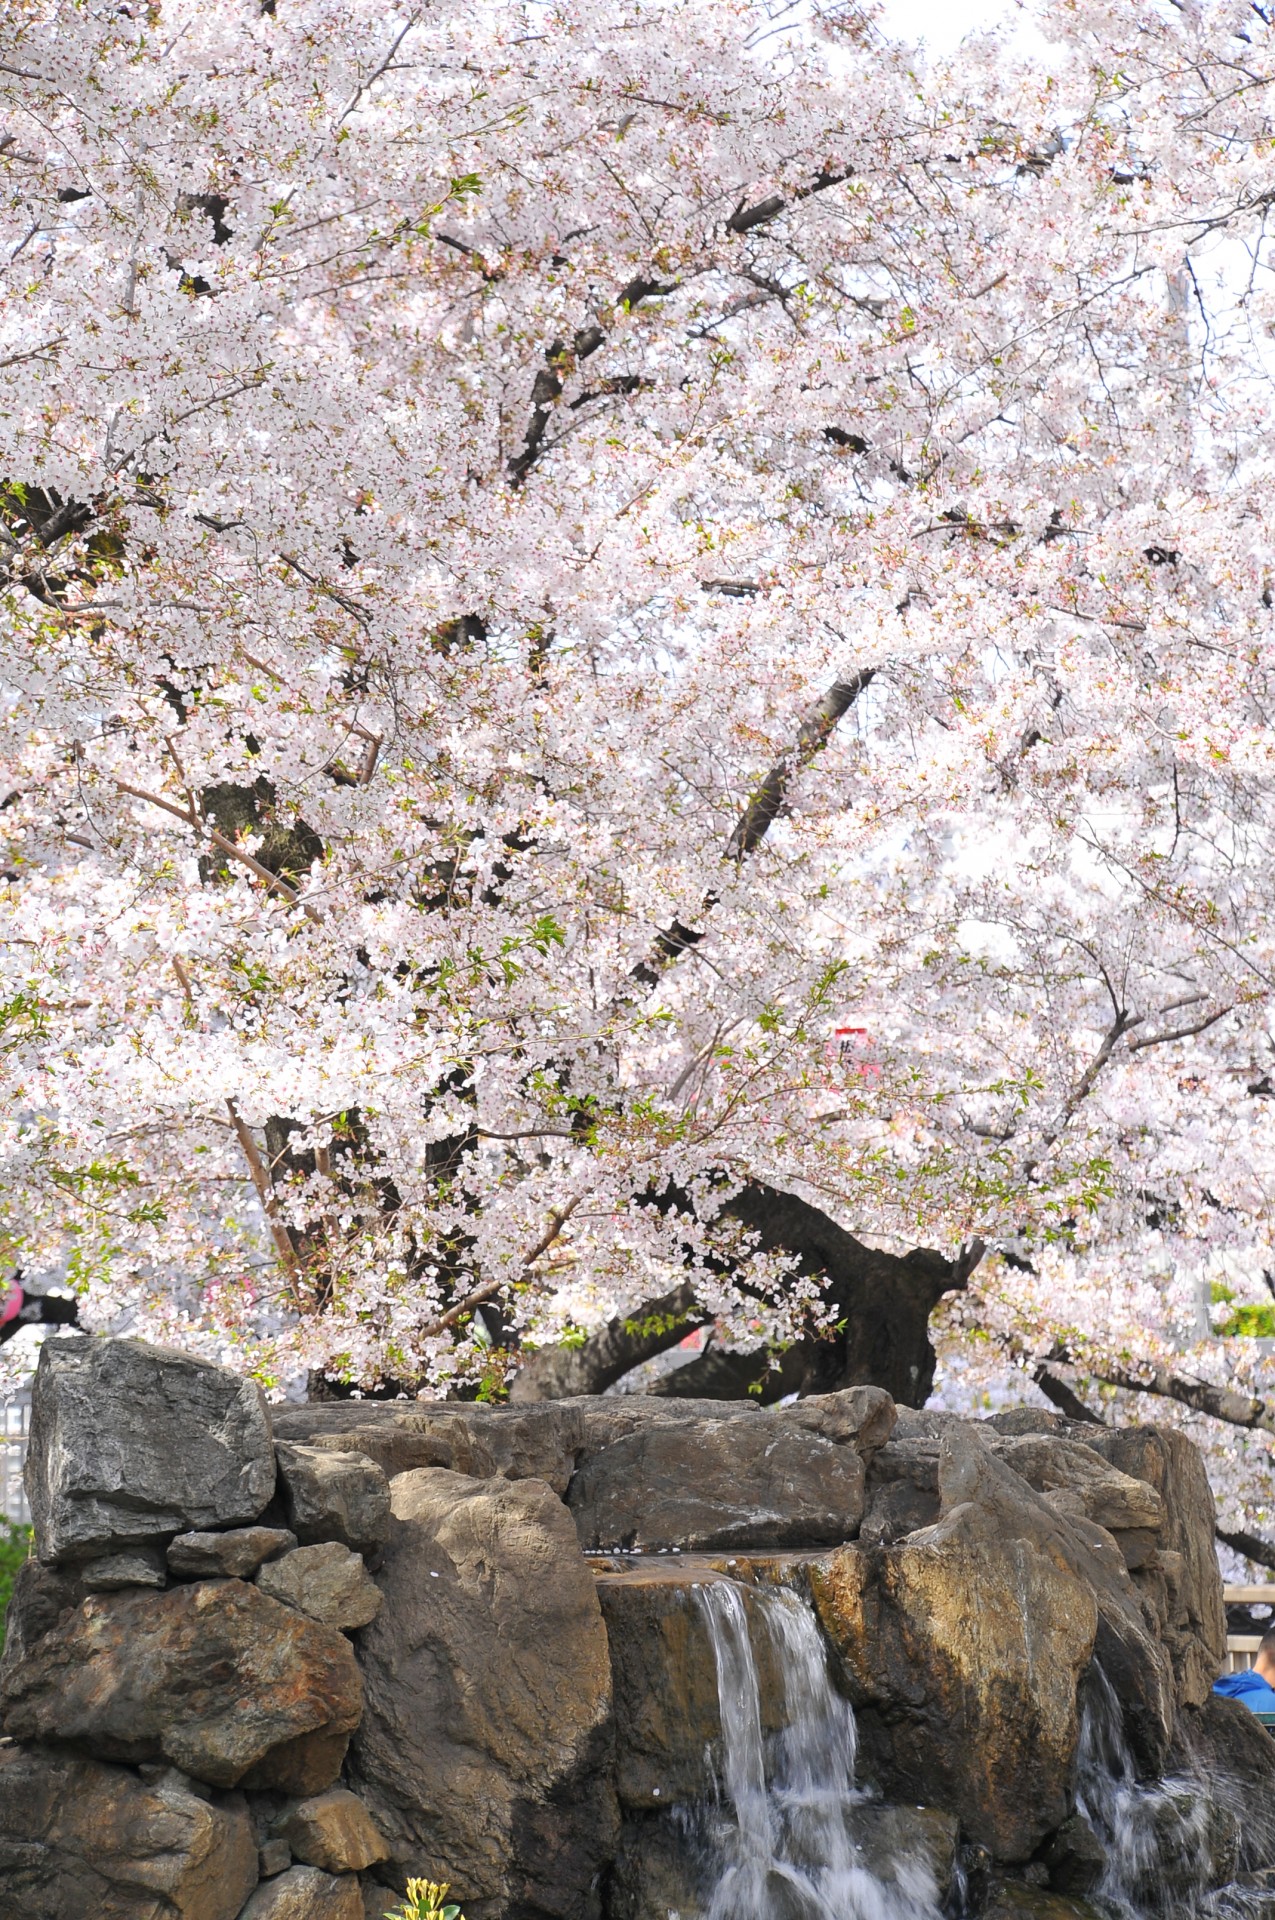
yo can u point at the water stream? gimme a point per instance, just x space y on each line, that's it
784 1847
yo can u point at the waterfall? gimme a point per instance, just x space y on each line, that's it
784 1846
1159 1838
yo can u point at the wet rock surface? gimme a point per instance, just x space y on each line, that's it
215 1678
84 1841
485 1748
132 1444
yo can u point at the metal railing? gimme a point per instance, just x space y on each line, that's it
15 1425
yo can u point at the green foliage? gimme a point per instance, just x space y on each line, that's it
15 1545
425 1902
1256 1321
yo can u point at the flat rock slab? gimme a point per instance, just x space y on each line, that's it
132 1444
335 1831
484 1753
234 1555
83 1841
327 1583
304 1893
216 1678
759 1482
138 1567
334 1496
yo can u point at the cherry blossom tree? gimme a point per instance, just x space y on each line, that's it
555 560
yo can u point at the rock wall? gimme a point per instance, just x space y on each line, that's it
268 1668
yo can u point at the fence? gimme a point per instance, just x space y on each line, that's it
15 1424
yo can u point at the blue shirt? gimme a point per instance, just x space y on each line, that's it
1257 1694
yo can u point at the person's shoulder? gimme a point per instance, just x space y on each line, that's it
1247 1686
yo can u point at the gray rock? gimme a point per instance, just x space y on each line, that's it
736 1481
484 1753
273 1856
235 1555
140 1567
334 1496
335 1831
658 1871
215 1678
304 1893
327 1583
41 1597
131 1444
82 1841
1074 1856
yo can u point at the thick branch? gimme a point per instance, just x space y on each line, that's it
1219 1403
814 728
559 1373
1261 1552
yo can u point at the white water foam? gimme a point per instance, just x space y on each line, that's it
784 1849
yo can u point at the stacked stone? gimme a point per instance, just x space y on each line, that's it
178 1690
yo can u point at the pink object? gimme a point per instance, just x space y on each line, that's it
11 1303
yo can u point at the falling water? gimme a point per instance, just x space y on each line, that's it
784 1849
1159 1838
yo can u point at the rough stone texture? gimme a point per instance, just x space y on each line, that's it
304 1893
327 1583
216 1678
139 1567
235 1555
131 1444
665 1682
760 1482
657 1871
1127 1644
902 1492
962 1647
274 1856
1074 1857
335 1831
334 1496
378 1901
484 1752
512 1443
41 1597
83 1841
1182 1583
1108 1497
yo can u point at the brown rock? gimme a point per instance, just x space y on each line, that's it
962 1647
1127 1643
335 1831
303 1893
484 1751
758 1482
1108 1497
82 1841
538 1442
216 1678
667 1717
1012 1900
902 1492
1187 1592
234 1555
327 1583
334 1496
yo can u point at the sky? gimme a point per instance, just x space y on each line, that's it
942 24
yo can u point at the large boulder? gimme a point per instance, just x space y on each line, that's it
334 1831
41 1597
962 1646
215 1678
1224 1745
668 1725
82 1841
787 1477
131 1444
485 1748
326 1582
306 1893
